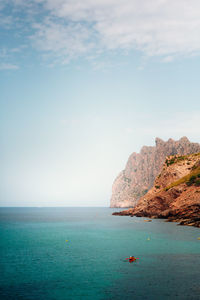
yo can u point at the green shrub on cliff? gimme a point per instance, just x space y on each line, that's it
175 159
197 182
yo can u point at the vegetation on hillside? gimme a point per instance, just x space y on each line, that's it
175 159
193 178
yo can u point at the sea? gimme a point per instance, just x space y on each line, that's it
80 253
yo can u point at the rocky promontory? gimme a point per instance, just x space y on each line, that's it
175 194
142 168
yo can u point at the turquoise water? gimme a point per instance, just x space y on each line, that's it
37 263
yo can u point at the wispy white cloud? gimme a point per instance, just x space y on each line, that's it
63 41
66 29
155 27
7 66
8 59
6 21
2 4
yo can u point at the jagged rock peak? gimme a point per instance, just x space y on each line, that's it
184 139
142 168
159 141
171 141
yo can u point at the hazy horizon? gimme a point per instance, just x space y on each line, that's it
85 84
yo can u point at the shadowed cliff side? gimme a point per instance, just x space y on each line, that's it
175 194
142 168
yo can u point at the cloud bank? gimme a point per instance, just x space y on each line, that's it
157 28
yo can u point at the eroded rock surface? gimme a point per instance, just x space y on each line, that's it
175 194
142 168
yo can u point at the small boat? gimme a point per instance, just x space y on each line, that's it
131 259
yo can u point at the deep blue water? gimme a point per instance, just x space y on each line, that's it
37 263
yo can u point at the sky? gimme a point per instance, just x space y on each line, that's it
83 84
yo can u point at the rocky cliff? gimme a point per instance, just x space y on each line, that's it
142 168
175 194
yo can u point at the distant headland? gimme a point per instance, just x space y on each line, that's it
161 182
142 168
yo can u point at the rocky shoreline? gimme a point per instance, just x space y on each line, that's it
181 217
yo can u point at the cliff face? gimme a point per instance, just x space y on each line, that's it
142 168
175 194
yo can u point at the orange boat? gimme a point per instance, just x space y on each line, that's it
131 259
